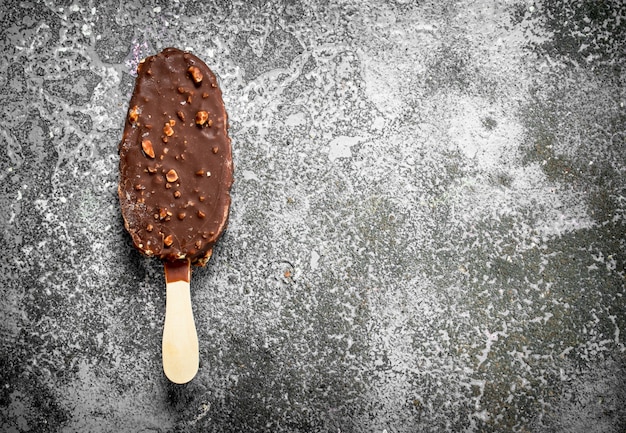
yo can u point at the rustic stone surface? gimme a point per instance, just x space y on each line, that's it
427 232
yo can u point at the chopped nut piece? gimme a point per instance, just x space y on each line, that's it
133 114
198 244
200 173
139 187
168 240
146 146
152 170
182 215
195 73
181 115
171 176
215 149
167 130
149 228
181 90
172 122
201 117
176 194
201 214
205 95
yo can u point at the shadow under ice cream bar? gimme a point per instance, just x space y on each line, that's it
175 179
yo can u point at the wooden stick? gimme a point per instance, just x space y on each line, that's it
180 340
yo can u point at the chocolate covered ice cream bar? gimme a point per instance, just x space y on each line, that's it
176 172
175 159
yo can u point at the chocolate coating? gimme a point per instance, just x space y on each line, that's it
176 166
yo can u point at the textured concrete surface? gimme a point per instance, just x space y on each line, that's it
427 232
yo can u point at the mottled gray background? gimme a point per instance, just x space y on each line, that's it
427 232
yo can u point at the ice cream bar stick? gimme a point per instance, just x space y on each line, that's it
180 340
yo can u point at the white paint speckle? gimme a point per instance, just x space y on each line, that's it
340 146
296 119
249 175
315 257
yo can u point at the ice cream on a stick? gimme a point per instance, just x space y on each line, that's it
176 172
